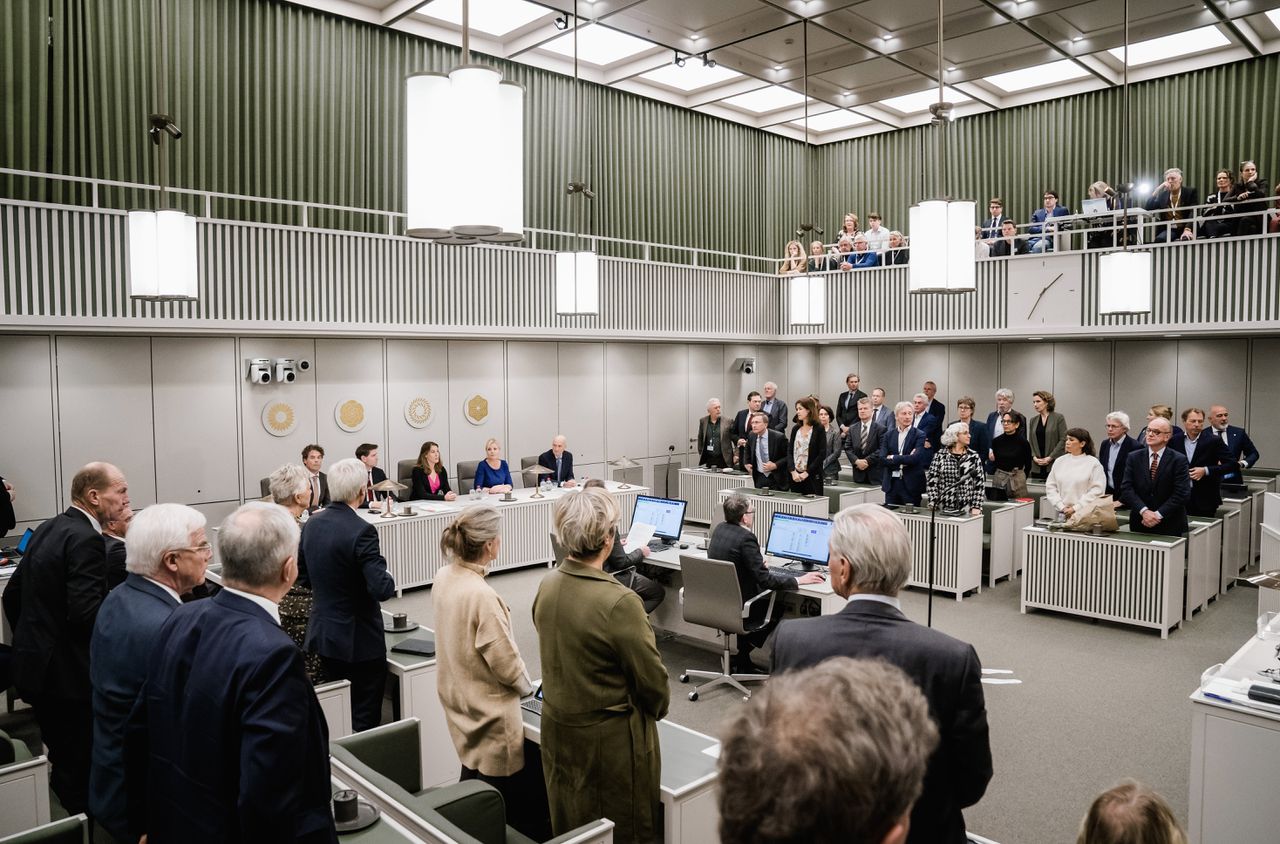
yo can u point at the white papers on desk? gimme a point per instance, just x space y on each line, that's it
639 535
1237 692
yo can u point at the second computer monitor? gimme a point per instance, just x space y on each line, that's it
801 538
665 514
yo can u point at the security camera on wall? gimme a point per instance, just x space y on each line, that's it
304 365
286 373
259 370
746 365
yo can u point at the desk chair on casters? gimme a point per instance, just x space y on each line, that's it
711 597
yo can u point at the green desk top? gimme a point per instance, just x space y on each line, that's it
1261 473
407 660
783 496
1202 521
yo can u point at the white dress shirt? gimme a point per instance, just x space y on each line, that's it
267 604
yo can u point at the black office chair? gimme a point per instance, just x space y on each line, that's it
711 597
467 475
404 470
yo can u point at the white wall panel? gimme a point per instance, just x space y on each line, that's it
264 452
706 381
27 451
802 376
881 366
1264 402
477 368
834 363
927 362
417 369
972 369
352 370
736 382
197 448
1025 368
773 367
533 394
1215 372
1082 385
667 402
104 409
1146 373
582 405
626 388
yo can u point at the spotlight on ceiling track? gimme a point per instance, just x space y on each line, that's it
562 22
707 61
679 60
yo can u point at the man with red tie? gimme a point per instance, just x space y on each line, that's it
368 454
1157 484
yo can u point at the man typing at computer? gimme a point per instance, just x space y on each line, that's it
734 541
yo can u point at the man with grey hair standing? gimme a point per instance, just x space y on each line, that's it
774 407
1113 453
874 748
715 446
168 553
1004 404
227 741
870 560
341 560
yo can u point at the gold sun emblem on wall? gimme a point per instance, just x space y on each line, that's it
476 409
350 415
279 418
417 412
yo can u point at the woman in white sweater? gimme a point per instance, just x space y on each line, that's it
1076 479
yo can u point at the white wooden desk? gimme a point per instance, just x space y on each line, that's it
701 488
1204 562
1233 759
958 559
418 678
688 781
1131 578
1003 522
767 502
1242 539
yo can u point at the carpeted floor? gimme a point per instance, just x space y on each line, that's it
1097 702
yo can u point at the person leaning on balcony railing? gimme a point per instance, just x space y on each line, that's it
1009 242
1252 199
897 254
794 263
1101 235
1173 200
819 260
863 256
839 254
1221 202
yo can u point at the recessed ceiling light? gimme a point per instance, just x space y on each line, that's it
1174 46
831 120
846 93
952 69
695 38
767 99
1040 76
888 36
599 45
494 18
692 77
921 100
1075 39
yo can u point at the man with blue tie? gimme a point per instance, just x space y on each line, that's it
1114 451
167 556
992 226
1239 447
559 461
1157 484
766 454
904 458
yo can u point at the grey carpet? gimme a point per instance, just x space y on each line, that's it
1098 701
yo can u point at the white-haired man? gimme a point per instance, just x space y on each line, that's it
715 445
870 560
1114 450
560 461
775 407
167 555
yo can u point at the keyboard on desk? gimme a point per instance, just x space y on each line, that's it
532 704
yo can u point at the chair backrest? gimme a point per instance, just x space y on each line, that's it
404 470
467 475
392 750
72 830
529 480
265 486
712 596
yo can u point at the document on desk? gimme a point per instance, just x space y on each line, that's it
638 536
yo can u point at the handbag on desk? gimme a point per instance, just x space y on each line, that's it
1101 513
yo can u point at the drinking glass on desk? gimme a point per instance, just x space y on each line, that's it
1269 626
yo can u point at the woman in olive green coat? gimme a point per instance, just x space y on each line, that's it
603 682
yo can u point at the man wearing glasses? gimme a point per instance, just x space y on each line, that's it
1157 484
1042 226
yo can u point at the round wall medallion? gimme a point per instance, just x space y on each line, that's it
417 412
349 415
476 409
279 418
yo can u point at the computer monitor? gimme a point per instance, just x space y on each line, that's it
665 514
801 538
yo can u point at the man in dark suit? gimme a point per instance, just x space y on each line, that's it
869 562
734 541
847 405
1043 228
312 459
1008 243
1207 462
994 224
881 413
1157 484
924 420
904 458
1113 453
339 558
766 454
169 553
741 428
775 407
61 583
1171 199
937 409
8 520
559 461
715 442
862 446
367 453
1240 448
227 741
113 534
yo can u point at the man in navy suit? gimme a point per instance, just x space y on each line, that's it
993 225
1157 484
367 453
862 446
869 561
937 409
168 553
766 454
741 428
1240 448
52 601
775 407
1042 225
339 558
312 459
924 420
904 458
1113 453
1207 460
847 405
559 461
227 741
881 413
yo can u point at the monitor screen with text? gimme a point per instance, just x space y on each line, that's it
802 538
665 514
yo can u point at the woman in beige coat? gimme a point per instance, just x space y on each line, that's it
481 674
603 682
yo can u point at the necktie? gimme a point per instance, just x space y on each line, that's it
315 491
369 492
1155 464
762 451
1225 441
558 459
865 426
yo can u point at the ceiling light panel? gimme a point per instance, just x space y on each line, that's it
921 100
1273 15
765 99
1039 76
692 77
492 17
832 120
599 45
1174 46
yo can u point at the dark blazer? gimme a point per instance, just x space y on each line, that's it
899 257
1257 193
8 521
116 556
726 445
227 741
1126 445
1239 447
1159 201
1167 496
1211 455
883 416
738 545
780 477
1001 248
124 636
854 451
912 460
778 414
991 228
821 263
938 410
817 452
946 670
1055 435
421 491
348 578
324 493
931 427
548 459
619 558
847 407
62 581
378 477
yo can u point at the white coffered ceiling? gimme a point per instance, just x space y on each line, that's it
872 64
